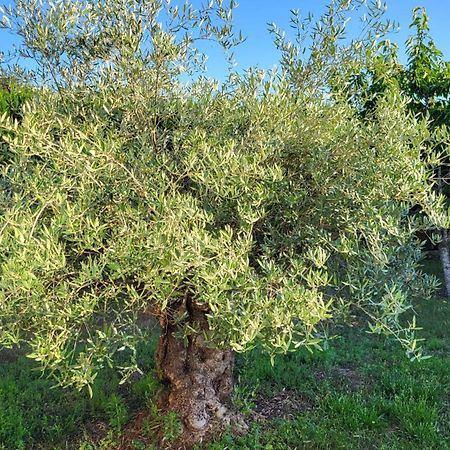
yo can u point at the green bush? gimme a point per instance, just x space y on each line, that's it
13 97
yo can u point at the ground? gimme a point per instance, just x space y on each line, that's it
360 393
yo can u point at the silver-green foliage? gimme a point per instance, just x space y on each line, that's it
126 192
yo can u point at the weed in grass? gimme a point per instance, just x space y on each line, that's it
117 411
244 397
109 442
171 426
147 388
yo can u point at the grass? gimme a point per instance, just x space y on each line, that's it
361 393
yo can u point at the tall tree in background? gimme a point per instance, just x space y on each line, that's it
426 82
238 215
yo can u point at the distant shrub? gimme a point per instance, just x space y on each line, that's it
12 97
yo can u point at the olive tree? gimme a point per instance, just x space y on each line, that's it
242 214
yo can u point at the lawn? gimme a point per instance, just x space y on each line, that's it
359 393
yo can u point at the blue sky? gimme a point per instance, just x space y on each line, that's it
252 17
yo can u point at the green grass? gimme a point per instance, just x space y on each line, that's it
360 393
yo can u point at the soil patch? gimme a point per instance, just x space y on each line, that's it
344 376
135 431
286 404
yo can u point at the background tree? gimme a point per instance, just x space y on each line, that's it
238 215
425 83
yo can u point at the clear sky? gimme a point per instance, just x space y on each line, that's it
252 17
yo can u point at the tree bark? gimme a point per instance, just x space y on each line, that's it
445 259
199 381
443 244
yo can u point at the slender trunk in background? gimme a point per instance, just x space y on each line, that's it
443 244
445 259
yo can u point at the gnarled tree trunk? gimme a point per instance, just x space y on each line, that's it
199 381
